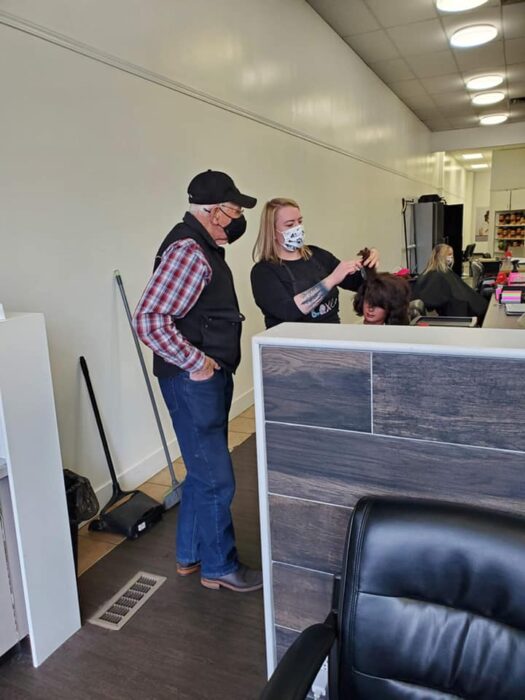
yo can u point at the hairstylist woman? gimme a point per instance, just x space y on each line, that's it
295 282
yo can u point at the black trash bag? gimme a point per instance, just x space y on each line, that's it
82 502
431 198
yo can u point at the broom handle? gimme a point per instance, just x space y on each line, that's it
120 284
114 480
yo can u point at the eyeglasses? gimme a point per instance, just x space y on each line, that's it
237 213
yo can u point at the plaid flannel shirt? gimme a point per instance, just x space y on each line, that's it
171 292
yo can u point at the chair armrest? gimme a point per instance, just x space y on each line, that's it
298 668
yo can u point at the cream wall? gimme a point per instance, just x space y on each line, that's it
508 169
105 121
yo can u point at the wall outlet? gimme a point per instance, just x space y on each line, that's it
320 684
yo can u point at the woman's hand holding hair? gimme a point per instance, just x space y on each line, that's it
310 298
370 257
345 268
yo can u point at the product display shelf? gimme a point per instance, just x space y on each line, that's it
509 231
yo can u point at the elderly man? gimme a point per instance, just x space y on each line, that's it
189 316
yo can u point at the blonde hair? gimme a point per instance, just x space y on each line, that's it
438 259
266 247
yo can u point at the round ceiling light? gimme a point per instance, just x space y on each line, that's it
488 98
475 35
491 119
484 82
458 5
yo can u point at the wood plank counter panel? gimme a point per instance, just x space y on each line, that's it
297 383
340 467
308 534
283 639
302 597
469 401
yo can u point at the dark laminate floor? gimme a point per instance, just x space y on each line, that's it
186 643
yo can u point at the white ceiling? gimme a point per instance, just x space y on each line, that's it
406 43
486 158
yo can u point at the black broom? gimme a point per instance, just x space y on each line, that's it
139 512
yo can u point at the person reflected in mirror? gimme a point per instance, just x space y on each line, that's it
443 291
383 299
295 281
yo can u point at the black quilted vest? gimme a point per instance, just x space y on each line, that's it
213 325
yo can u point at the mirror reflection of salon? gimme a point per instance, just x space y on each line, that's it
383 299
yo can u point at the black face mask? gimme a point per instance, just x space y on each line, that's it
235 229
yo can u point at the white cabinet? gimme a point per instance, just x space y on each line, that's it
37 546
13 627
8 629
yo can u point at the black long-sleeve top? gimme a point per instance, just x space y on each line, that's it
274 286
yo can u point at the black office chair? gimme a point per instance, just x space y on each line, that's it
431 606
416 308
468 252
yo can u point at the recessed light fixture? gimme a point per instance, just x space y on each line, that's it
491 119
472 156
484 82
479 166
488 98
475 35
458 5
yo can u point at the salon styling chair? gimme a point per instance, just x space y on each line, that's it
430 606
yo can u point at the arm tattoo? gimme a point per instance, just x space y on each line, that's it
310 298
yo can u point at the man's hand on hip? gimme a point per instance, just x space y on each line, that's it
210 366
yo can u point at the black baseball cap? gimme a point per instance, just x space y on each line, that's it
214 187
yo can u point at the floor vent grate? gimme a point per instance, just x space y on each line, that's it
114 614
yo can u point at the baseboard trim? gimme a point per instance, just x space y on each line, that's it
137 474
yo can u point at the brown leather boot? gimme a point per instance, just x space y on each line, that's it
244 580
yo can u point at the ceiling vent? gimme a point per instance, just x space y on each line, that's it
517 100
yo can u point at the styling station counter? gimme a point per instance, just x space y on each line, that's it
348 411
497 318
38 592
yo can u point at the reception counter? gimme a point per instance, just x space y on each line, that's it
348 411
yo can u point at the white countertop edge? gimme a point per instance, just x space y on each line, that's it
17 315
476 342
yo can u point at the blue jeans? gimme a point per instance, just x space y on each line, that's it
199 412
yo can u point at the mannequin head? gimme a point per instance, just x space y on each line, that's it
383 299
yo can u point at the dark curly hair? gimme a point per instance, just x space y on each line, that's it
388 292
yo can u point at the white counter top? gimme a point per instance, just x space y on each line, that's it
478 342
16 315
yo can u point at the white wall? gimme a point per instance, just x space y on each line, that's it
98 150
